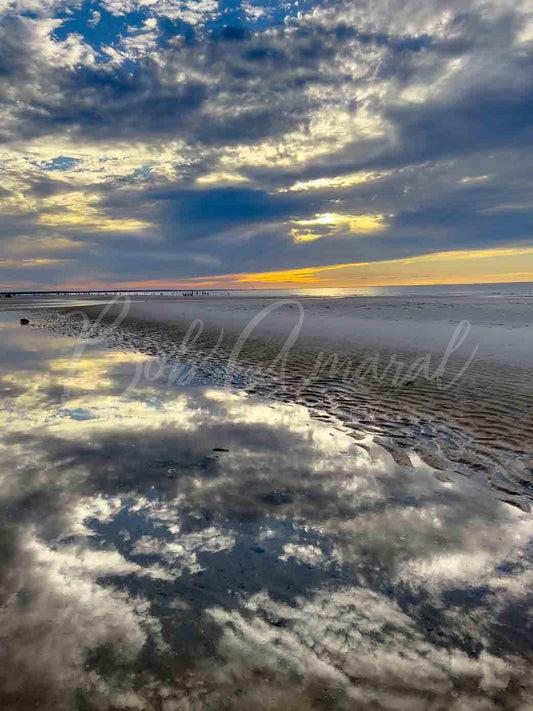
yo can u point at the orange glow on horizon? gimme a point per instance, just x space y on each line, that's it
454 267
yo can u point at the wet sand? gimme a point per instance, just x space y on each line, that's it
369 362
192 547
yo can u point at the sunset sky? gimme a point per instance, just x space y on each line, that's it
251 144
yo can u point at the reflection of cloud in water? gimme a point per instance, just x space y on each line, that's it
181 551
354 643
56 613
301 569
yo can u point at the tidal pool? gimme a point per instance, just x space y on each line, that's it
197 548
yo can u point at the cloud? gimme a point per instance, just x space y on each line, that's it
27 244
330 223
91 221
341 181
24 263
95 18
415 112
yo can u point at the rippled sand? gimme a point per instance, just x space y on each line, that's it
481 427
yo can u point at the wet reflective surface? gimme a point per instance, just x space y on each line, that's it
195 548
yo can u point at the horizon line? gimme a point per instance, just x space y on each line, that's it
117 289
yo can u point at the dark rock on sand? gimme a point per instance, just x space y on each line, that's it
24 322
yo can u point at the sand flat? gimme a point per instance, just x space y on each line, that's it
370 362
184 544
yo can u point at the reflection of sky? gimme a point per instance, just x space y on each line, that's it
140 568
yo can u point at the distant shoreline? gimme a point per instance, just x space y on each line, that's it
524 288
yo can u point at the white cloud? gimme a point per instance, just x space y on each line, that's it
95 18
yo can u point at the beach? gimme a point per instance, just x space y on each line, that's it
201 521
445 376
266 349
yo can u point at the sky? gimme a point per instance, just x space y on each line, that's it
265 143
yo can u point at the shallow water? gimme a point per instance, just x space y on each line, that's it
197 548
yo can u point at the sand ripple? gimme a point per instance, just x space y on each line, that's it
481 428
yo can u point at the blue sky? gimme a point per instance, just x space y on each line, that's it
167 143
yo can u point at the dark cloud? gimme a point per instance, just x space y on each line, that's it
430 97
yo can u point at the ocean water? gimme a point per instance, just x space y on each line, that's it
507 289
495 290
167 544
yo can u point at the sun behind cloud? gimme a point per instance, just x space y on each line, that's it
331 224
